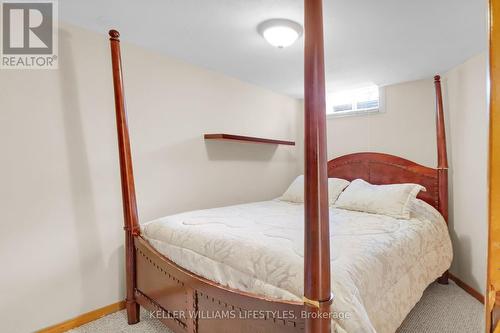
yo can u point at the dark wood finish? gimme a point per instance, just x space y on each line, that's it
377 168
160 285
471 291
380 169
441 150
317 238
442 167
131 220
232 137
171 292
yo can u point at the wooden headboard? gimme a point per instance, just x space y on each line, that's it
378 168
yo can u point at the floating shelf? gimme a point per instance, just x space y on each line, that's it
242 138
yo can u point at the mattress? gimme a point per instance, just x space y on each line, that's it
380 266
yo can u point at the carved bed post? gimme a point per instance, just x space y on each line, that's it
131 221
442 166
317 290
441 150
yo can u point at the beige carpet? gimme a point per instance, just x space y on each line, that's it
442 309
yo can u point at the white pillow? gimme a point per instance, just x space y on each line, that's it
335 187
295 192
391 200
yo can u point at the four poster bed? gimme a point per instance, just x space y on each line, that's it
158 279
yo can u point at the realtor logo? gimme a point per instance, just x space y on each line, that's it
29 35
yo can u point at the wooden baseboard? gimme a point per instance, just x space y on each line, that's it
104 311
471 291
84 318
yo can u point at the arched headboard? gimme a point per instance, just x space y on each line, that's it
378 168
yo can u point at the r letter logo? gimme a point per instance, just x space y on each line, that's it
29 35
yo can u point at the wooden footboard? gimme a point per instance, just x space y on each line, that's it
186 302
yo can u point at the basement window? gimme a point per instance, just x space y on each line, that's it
354 102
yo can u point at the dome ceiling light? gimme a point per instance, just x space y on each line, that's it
280 32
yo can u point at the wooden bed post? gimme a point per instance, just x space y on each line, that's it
442 166
317 289
441 150
131 221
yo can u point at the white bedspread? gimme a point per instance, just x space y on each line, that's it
380 265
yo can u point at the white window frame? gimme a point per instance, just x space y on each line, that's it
350 113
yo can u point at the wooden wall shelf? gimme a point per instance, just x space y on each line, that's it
242 138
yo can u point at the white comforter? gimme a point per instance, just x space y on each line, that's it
379 265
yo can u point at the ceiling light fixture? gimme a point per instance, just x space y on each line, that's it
280 32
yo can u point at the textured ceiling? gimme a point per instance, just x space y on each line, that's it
367 41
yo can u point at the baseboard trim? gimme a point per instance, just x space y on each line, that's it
112 308
84 318
471 291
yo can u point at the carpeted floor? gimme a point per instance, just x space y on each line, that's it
442 309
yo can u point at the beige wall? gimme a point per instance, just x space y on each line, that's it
407 129
61 245
466 104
